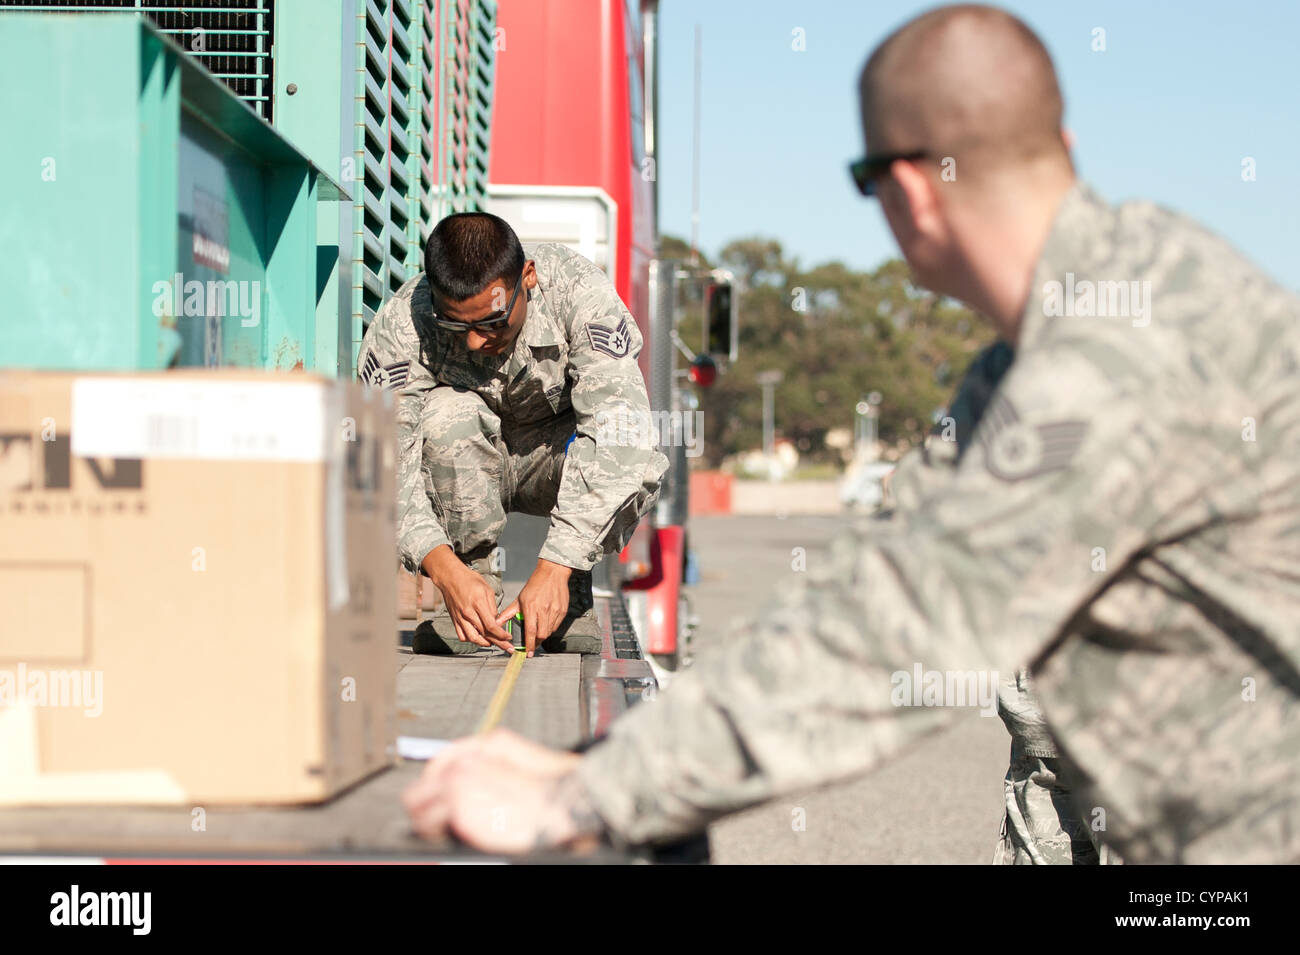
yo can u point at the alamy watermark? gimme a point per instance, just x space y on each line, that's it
129 909
1098 299
624 428
212 298
59 688
922 687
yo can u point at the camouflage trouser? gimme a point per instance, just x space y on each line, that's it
477 468
1043 824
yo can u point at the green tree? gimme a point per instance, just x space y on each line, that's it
836 334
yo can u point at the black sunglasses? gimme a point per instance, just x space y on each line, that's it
491 323
867 170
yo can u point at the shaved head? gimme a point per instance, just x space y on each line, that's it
967 81
972 90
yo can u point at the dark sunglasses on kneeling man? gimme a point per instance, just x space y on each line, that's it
493 322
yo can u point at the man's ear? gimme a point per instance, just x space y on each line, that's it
921 196
530 275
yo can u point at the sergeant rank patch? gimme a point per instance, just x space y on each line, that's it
1015 450
614 342
389 377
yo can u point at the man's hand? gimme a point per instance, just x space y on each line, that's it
543 602
469 599
501 793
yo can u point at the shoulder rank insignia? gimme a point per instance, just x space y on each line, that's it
1015 450
388 377
614 342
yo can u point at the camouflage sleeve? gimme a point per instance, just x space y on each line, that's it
917 470
390 359
980 575
613 456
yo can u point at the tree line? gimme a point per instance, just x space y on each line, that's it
836 334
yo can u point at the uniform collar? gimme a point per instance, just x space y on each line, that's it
1077 240
541 327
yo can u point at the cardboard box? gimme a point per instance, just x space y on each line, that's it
196 571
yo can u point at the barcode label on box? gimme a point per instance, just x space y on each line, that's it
206 420
172 434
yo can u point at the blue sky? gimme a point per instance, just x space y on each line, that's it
1184 91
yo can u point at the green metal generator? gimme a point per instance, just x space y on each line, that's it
166 223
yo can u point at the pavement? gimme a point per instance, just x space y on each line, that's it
941 802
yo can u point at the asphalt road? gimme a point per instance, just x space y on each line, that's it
939 803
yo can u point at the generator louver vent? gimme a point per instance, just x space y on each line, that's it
232 38
422 131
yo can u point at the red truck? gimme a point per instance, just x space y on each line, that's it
573 160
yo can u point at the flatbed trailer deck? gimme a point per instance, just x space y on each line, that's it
560 700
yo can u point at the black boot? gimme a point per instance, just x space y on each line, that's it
580 599
437 635
578 632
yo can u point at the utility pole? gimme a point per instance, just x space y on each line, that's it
865 424
769 380
695 152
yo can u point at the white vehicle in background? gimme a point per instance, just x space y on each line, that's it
863 486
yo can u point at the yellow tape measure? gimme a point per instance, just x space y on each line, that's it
497 708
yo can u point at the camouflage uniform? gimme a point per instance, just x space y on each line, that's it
480 436
1124 525
1042 824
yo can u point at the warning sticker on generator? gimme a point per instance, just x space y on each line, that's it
211 243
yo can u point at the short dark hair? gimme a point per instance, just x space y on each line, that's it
468 251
